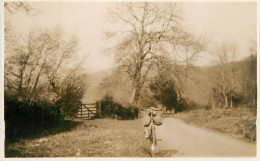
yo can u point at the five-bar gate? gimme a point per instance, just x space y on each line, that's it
88 110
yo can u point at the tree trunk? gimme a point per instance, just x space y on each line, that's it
137 84
136 96
231 102
21 81
226 101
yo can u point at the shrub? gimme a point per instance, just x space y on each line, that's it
165 92
181 105
115 110
26 118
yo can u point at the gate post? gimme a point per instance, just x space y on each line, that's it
98 106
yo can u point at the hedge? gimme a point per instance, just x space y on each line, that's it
26 118
113 109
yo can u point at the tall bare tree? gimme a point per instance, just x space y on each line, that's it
148 31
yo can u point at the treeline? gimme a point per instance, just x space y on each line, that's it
43 81
204 85
160 88
43 77
43 67
240 85
157 54
182 88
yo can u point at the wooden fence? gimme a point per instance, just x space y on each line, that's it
89 110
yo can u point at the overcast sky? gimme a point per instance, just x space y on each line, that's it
221 22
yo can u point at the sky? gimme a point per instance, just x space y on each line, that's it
220 22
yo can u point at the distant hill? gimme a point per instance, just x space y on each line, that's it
92 93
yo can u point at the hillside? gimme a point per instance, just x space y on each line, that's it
92 93
198 85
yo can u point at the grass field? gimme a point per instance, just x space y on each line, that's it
93 138
238 122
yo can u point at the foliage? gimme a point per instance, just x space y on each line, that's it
112 109
164 91
168 85
71 93
26 118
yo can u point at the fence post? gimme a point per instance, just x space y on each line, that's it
88 113
81 109
98 106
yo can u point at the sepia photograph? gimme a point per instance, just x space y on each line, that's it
164 79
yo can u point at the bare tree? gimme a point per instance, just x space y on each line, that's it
226 82
253 72
14 52
235 84
39 64
13 7
149 29
249 76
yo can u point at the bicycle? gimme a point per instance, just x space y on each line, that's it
152 134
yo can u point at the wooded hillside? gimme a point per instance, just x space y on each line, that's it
198 88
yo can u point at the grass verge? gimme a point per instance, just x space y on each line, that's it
238 122
93 138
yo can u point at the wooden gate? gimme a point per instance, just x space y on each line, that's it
88 110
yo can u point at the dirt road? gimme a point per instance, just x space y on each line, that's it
181 139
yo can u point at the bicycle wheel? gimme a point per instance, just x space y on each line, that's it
153 141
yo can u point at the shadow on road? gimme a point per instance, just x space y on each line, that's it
166 153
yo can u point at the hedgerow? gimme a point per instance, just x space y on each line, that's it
112 109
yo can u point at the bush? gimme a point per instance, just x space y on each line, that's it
115 110
181 106
26 118
165 92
